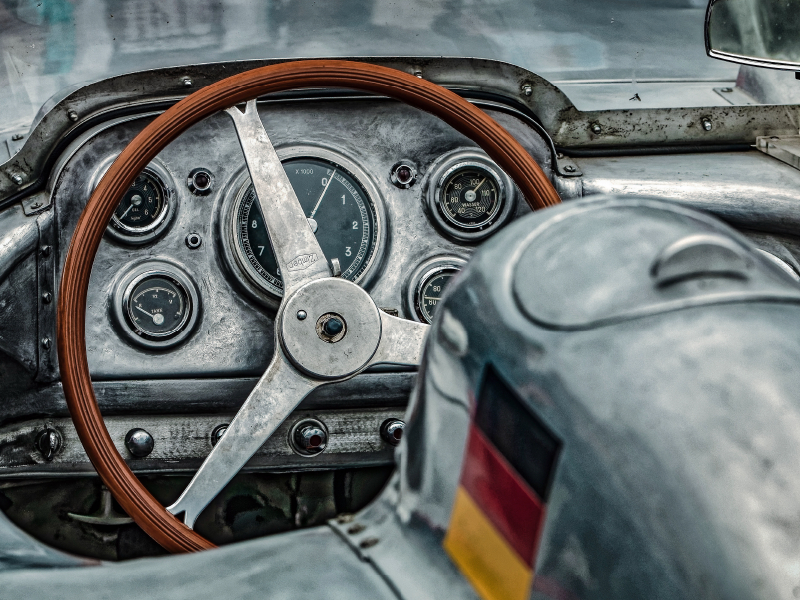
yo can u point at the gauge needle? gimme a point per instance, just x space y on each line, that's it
475 189
313 212
145 312
122 216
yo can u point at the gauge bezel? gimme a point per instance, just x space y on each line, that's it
445 166
135 274
138 236
237 261
423 273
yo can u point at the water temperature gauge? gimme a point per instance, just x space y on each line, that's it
156 305
428 283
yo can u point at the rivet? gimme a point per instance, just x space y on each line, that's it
187 82
47 297
46 343
73 116
569 169
596 129
17 137
301 315
16 178
774 138
527 89
368 543
726 90
193 240
344 518
707 124
356 528
46 251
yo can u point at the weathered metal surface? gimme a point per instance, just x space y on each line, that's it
183 442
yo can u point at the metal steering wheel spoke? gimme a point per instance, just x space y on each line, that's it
402 342
296 248
275 396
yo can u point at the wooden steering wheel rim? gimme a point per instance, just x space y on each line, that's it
148 513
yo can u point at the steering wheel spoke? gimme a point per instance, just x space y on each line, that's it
275 396
402 342
296 248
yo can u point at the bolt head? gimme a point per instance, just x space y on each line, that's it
187 82
527 89
47 297
46 343
73 116
569 169
596 129
17 178
333 326
139 442
707 124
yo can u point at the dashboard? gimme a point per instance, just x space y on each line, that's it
184 288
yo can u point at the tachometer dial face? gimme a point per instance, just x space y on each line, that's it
339 212
430 290
158 306
143 206
470 197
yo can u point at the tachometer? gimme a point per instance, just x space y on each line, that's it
339 211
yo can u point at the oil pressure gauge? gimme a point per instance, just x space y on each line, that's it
427 285
468 196
156 304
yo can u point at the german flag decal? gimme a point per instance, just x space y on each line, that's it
499 506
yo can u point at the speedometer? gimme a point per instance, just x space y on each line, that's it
339 211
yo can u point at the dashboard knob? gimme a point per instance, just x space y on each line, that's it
139 442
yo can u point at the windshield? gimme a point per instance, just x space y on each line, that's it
47 45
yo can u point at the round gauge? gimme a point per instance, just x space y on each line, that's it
431 290
143 206
158 305
427 284
339 212
468 196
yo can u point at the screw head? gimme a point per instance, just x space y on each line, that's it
569 169
139 442
16 178
331 328
392 431
187 82
49 442
301 315
46 343
707 124
727 90
527 89
47 297
418 74
73 116
46 251
596 129
17 137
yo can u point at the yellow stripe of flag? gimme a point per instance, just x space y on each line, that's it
482 554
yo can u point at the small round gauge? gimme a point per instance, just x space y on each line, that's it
468 196
339 212
143 206
158 305
431 290
427 284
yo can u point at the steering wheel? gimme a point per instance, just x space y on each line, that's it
327 329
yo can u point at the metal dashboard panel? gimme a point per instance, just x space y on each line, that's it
234 335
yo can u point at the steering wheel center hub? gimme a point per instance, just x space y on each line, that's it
341 334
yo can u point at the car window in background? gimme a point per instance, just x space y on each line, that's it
47 45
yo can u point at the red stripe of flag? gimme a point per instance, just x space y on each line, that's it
506 500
